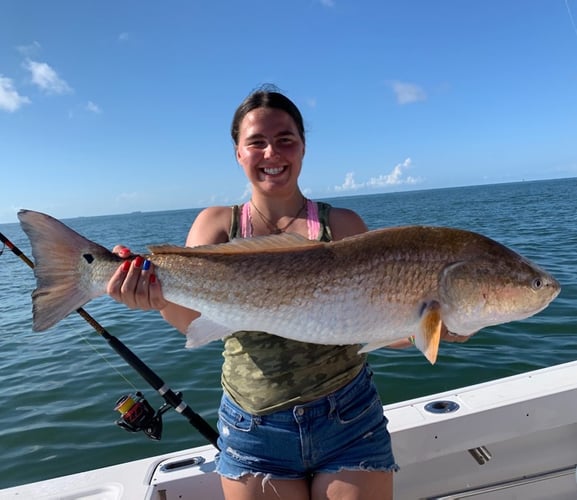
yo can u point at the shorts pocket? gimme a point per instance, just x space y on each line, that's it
235 418
354 410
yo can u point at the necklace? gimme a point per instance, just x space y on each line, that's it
272 227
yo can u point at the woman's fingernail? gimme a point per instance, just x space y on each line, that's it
126 266
152 279
146 265
125 252
138 261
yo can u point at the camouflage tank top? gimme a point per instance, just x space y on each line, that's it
263 373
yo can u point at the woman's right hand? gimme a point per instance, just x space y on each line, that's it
134 283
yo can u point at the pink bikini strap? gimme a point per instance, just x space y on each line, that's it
245 225
313 223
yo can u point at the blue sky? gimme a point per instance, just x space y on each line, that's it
115 106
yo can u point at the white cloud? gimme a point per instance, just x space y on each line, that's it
10 99
394 178
407 93
93 108
46 78
349 184
29 50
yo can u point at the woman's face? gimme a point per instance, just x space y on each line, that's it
270 149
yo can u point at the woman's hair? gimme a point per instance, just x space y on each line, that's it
266 97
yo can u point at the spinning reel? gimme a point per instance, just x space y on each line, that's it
136 414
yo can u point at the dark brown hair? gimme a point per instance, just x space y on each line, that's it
266 97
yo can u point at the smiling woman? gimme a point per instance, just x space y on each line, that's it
281 394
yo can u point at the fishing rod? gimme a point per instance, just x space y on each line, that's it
136 414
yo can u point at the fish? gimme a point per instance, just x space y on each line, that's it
371 289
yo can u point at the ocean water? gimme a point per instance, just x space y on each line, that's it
58 389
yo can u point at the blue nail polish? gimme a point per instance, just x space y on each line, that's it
146 265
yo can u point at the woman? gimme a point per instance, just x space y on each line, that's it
297 420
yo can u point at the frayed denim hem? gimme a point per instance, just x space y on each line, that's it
361 468
269 477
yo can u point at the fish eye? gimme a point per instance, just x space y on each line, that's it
537 284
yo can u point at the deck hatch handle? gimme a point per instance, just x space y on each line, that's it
481 454
181 464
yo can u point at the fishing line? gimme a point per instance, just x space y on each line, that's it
106 360
571 16
136 414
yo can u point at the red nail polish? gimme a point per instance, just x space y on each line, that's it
125 252
138 261
126 266
152 279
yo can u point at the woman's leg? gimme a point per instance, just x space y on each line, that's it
251 487
353 485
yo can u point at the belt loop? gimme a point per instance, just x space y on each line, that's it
332 404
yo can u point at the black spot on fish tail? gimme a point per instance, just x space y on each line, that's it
88 258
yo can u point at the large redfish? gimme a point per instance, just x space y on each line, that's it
369 289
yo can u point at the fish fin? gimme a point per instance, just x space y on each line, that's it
58 253
429 336
202 331
372 346
278 243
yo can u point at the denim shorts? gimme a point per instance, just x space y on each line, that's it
345 430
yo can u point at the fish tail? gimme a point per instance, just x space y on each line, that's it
63 262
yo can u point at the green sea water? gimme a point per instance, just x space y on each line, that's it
58 388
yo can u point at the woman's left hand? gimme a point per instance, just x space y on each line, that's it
447 336
135 284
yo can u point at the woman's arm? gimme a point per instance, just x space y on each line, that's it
135 284
210 227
